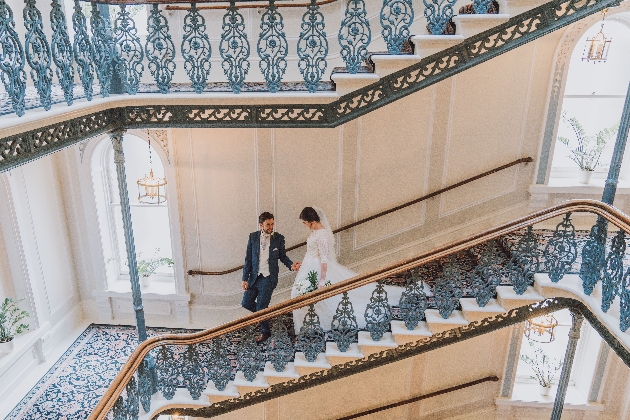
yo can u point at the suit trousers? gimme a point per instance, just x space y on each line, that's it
257 297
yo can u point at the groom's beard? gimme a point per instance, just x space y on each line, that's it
268 232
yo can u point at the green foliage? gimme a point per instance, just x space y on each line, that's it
10 317
544 368
589 148
311 283
147 267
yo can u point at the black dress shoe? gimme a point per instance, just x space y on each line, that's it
262 337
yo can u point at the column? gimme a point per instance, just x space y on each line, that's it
119 160
563 383
620 146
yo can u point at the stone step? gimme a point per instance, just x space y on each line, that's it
469 25
304 367
386 64
426 45
369 346
473 312
403 336
337 357
508 299
274 377
244 386
346 82
214 395
437 324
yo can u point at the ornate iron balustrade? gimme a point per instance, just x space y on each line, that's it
473 51
205 355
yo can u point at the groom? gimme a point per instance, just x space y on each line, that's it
260 271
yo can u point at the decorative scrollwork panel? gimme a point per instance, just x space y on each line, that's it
38 53
355 35
449 288
196 49
524 262
193 373
129 52
438 14
312 47
83 52
561 250
167 372
11 60
378 313
103 45
280 351
311 339
272 47
344 326
613 271
396 18
234 48
413 301
160 50
61 51
487 275
593 256
220 367
250 357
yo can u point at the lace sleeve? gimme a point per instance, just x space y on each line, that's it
322 246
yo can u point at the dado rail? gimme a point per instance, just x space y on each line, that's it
517 273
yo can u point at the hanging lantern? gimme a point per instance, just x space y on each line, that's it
151 190
596 48
541 329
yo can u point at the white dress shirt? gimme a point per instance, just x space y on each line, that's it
263 255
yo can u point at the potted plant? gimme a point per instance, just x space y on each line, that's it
545 369
588 149
146 267
10 317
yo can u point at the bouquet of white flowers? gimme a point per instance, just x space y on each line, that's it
311 283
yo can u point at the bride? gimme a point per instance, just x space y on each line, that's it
320 258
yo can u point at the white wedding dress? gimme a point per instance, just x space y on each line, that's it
320 248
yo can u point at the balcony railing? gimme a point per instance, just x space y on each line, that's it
436 281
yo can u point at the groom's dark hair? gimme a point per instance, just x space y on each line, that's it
309 214
264 216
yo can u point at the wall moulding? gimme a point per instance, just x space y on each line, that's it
21 148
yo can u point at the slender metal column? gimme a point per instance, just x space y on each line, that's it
620 146
563 383
119 160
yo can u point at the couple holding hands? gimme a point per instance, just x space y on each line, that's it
260 272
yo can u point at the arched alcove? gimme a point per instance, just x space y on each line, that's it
594 95
151 222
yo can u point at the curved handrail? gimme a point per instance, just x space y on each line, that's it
252 6
608 212
383 213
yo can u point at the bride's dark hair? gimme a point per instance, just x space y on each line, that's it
308 214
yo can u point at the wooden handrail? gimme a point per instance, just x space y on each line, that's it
421 397
608 212
383 213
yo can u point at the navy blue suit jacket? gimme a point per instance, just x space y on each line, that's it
252 258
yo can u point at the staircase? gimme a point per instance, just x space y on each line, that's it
390 77
194 373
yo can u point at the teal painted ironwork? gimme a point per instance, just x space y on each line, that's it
193 373
344 325
624 303
413 301
355 35
449 288
11 60
132 406
312 47
120 410
196 49
396 18
129 52
524 262
234 48
160 49
438 14
220 367
563 382
167 370
593 255
481 6
561 250
378 313
103 45
487 275
249 358
613 271
61 49
146 385
83 52
280 350
311 339
37 52
272 47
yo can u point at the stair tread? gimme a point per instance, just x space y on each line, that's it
386 341
320 362
229 391
421 330
471 305
433 317
259 381
352 352
288 372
